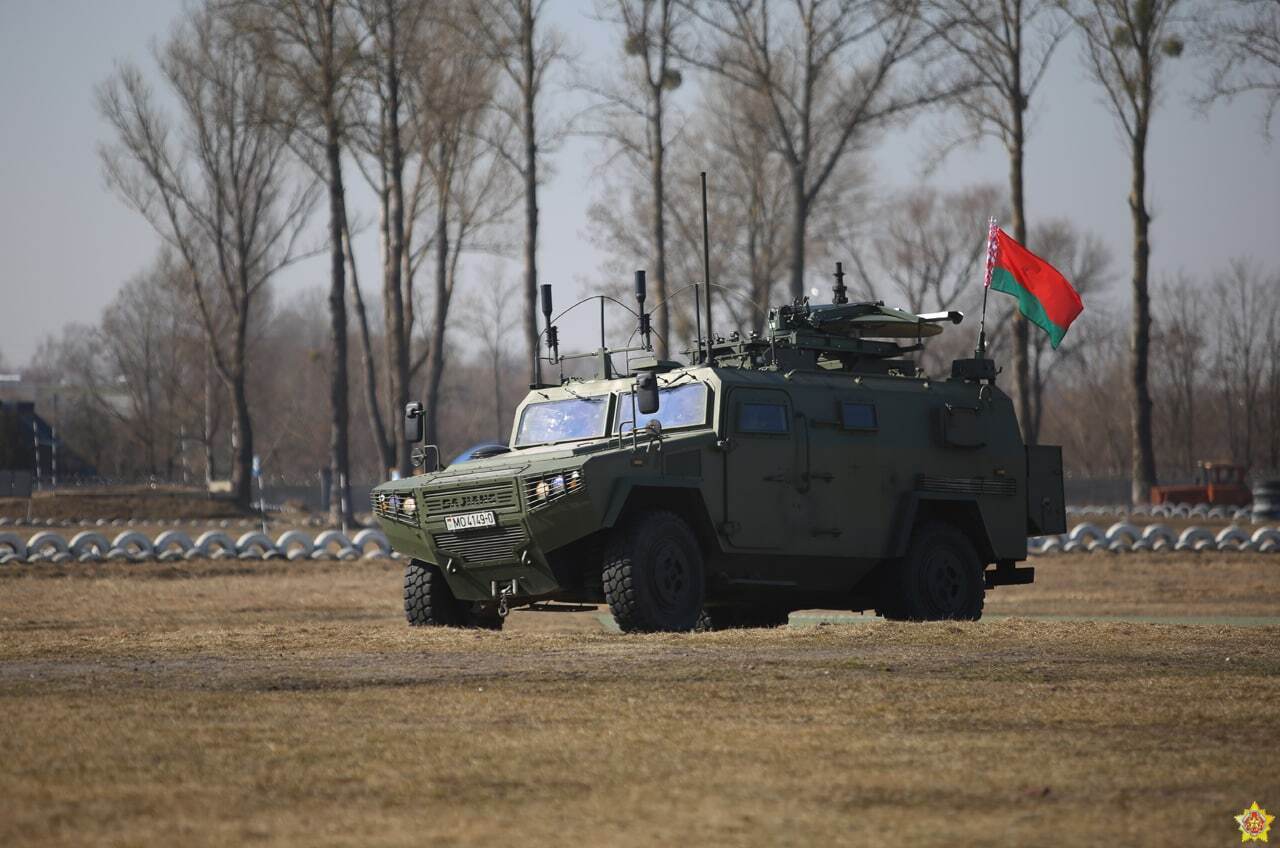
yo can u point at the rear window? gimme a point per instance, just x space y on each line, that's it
756 417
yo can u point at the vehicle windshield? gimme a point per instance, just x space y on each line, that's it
563 420
679 406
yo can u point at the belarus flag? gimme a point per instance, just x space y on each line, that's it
1044 295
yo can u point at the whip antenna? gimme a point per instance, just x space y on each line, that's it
706 266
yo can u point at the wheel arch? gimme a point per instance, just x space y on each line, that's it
684 500
961 512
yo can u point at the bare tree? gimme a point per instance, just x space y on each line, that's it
216 184
924 251
1182 337
639 119
1243 302
925 248
1242 40
1005 48
830 74
1126 45
490 314
469 185
514 34
395 49
313 48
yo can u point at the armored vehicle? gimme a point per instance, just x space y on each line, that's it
811 466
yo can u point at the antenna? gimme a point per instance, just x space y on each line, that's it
553 335
643 317
706 267
839 294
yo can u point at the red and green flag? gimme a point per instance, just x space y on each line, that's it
1044 295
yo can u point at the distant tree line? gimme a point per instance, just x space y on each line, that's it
242 144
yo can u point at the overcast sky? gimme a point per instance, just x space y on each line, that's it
67 244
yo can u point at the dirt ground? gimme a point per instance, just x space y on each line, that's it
278 703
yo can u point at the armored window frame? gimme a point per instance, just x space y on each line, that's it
849 420
742 427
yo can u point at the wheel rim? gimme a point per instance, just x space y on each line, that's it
671 576
945 580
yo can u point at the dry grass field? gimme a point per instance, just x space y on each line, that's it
226 703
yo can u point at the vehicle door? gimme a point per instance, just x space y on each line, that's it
844 478
760 469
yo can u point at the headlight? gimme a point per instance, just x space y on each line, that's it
541 491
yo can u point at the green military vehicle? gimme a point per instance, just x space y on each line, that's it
812 467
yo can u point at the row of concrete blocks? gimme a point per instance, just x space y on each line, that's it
1123 537
171 545
1180 510
221 523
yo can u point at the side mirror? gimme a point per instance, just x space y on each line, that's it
413 422
647 392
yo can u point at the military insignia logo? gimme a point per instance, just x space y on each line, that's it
1254 824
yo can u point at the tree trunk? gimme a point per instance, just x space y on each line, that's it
1144 465
339 460
210 471
386 455
799 222
242 431
497 394
242 476
436 352
393 292
530 189
1021 366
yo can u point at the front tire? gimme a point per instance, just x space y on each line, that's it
939 579
653 574
429 602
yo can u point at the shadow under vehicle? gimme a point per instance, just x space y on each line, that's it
812 466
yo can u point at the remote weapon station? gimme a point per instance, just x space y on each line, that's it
813 466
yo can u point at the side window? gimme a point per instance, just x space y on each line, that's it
858 416
754 417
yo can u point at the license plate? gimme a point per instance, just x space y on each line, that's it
470 521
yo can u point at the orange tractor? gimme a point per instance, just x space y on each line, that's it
1216 483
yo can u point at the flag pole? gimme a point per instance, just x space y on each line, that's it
981 352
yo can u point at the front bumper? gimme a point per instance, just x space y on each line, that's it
478 563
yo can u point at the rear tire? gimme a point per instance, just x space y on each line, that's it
429 602
939 579
653 574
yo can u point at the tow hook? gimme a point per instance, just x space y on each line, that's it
506 590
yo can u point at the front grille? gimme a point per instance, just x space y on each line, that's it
495 496
967 485
390 505
492 543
